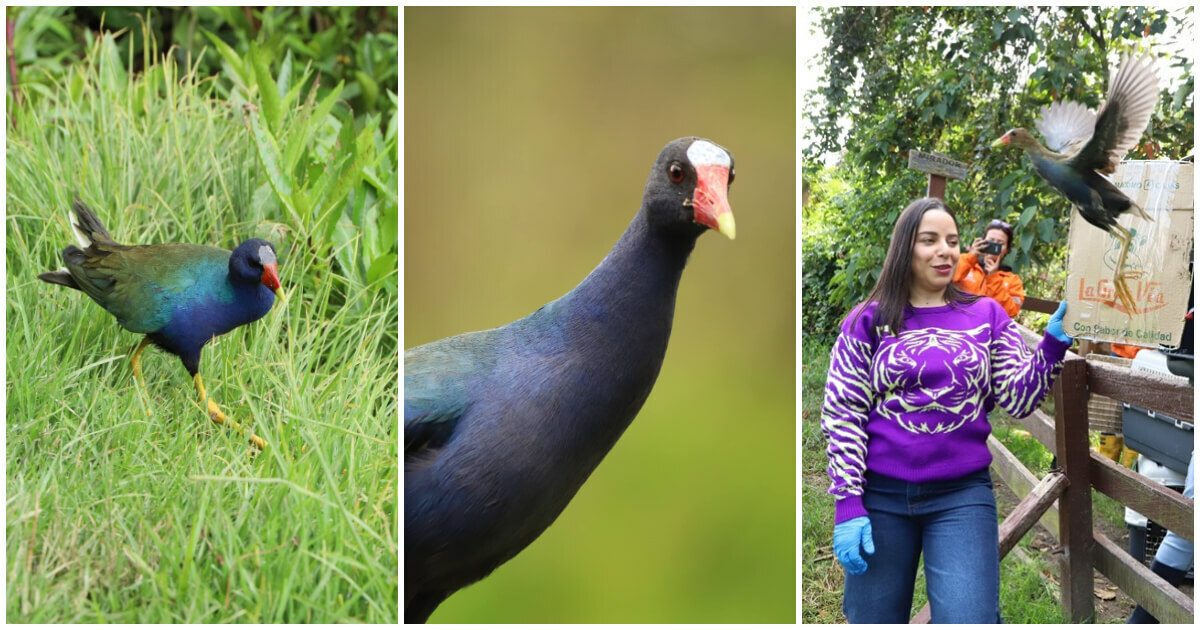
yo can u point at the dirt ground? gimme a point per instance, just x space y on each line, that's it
1112 605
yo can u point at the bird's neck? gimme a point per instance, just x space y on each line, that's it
629 298
251 300
610 335
1037 152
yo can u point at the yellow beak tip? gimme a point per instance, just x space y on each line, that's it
725 226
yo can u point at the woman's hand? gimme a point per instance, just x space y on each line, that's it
850 540
991 263
1054 329
977 246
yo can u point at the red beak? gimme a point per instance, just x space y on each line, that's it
711 200
270 276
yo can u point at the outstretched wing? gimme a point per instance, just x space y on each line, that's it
1132 95
1066 126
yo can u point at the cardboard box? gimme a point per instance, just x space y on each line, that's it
1157 261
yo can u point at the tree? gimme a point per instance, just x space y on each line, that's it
952 80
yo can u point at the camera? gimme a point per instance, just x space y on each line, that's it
990 247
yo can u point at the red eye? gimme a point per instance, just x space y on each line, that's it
676 173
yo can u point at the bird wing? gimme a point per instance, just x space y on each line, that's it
436 391
141 285
1121 121
1066 126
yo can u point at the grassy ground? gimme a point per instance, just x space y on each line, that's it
1028 576
114 516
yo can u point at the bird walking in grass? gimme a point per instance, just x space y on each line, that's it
1082 147
180 296
503 426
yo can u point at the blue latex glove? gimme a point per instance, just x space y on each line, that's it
847 538
1054 328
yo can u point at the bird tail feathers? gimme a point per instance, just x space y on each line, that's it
85 225
60 276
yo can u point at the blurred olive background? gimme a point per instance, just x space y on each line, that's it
529 134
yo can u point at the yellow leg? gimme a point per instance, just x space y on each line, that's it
1122 289
219 416
136 362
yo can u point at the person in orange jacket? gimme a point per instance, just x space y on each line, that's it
984 273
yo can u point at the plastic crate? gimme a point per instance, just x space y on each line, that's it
1104 413
1144 542
1164 439
1144 534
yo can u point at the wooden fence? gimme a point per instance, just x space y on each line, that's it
1080 470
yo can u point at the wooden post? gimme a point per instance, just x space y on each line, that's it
1075 505
936 187
939 168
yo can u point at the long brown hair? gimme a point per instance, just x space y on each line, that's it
895 280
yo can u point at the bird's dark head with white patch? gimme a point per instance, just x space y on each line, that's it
1017 137
254 261
688 188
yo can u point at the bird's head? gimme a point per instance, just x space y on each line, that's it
1017 136
688 188
255 261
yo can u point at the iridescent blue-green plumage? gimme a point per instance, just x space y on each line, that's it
179 295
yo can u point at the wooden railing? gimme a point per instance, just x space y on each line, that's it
1080 470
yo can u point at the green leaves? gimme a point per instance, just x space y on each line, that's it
268 91
233 62
330 172
951 80
267 151
319 166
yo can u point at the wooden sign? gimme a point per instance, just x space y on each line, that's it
936 164
939 168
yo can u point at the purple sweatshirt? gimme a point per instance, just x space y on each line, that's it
915 406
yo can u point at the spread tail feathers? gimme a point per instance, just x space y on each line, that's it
85 225
88 229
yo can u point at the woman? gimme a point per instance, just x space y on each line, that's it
912 377
984 273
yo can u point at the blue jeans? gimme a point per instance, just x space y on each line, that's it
954 523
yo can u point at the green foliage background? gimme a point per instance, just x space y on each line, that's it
355 45
529 134
115 516
952 80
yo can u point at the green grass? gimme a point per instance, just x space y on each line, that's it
1024 596
113 516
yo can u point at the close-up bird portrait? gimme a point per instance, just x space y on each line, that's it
201 337
599 315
